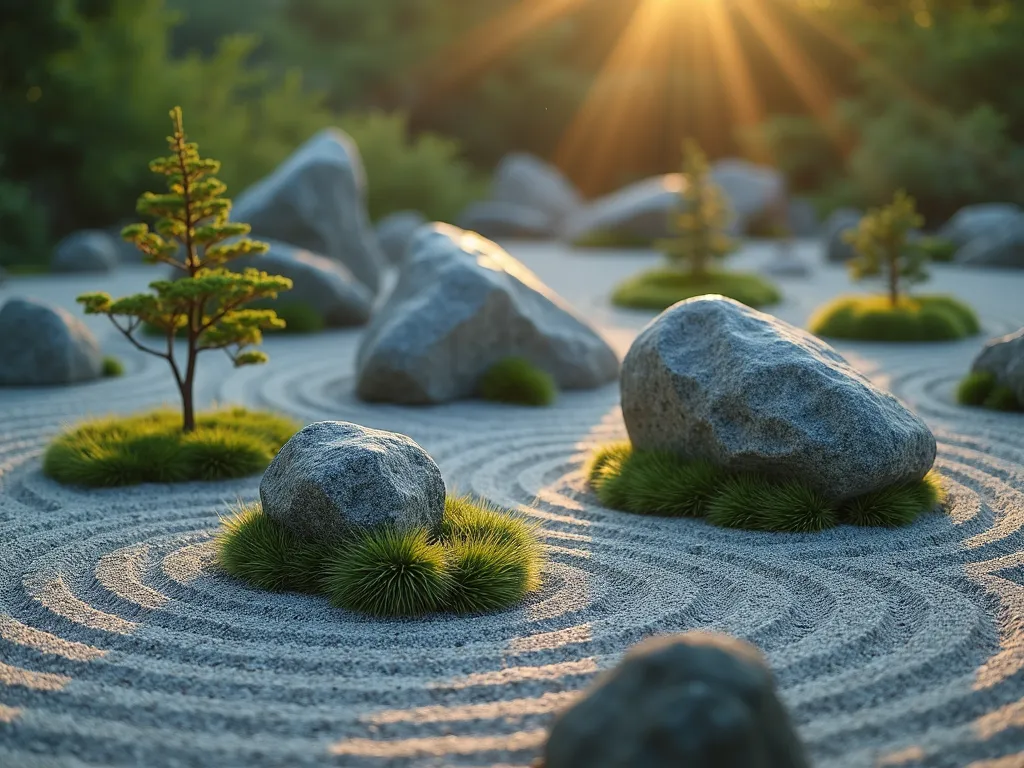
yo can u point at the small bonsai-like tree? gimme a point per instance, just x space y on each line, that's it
882 246
699 227
192 234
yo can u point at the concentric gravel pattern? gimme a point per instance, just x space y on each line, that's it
121 643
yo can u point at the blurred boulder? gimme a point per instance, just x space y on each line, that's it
975 221
42 344
525 180
316 200
641 210
837 250
395 231
1002 245
754 192
497 220
90 250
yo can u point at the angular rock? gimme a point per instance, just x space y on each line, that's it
641 210
712 379
974 221
754 192
395 231
320 283
41 344
837 250
462 304
89 250
700 700
1004 358
316 200
528 181
332 478
1001 246
496 219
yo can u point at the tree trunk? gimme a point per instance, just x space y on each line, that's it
188 410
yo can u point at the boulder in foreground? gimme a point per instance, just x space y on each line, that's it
699 700
462 304
712 379
41 345
333 477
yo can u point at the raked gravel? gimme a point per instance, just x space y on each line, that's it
122 645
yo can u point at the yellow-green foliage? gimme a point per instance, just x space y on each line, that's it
982 388
661 288
699 226
661 483
882 247
481 559
151 448
205 305
874 318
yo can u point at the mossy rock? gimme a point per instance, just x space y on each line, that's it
981 388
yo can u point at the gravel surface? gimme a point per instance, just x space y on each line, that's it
121 644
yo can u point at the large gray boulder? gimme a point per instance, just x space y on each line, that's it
1001 246
699 700
713 379
333 478
316 200
1004 359
974 221
528 181
326 286
40 345
642 210
837 250
395 231
90 250
754 193
498 219
462 304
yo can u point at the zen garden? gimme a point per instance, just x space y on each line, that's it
526 384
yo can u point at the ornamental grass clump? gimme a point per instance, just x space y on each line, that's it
699 239
517 381
480 559
982 388
205 306
883 248
661 483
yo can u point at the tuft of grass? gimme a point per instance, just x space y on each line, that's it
658 483
112 367
613 238
151 448
661 288
517 381
873 318
481 558
982 388
388 572
254 548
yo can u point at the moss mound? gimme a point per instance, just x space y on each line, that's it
873 318
299 317
517 381
151 448
937 248
480 559
981 388
660 483
661 288
112 367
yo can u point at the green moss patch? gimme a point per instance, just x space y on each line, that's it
518 381
660 483
480 559
112 367
611 238
937 248
151 448
873 318
982 388
661 288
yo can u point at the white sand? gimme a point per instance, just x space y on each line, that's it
120 644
